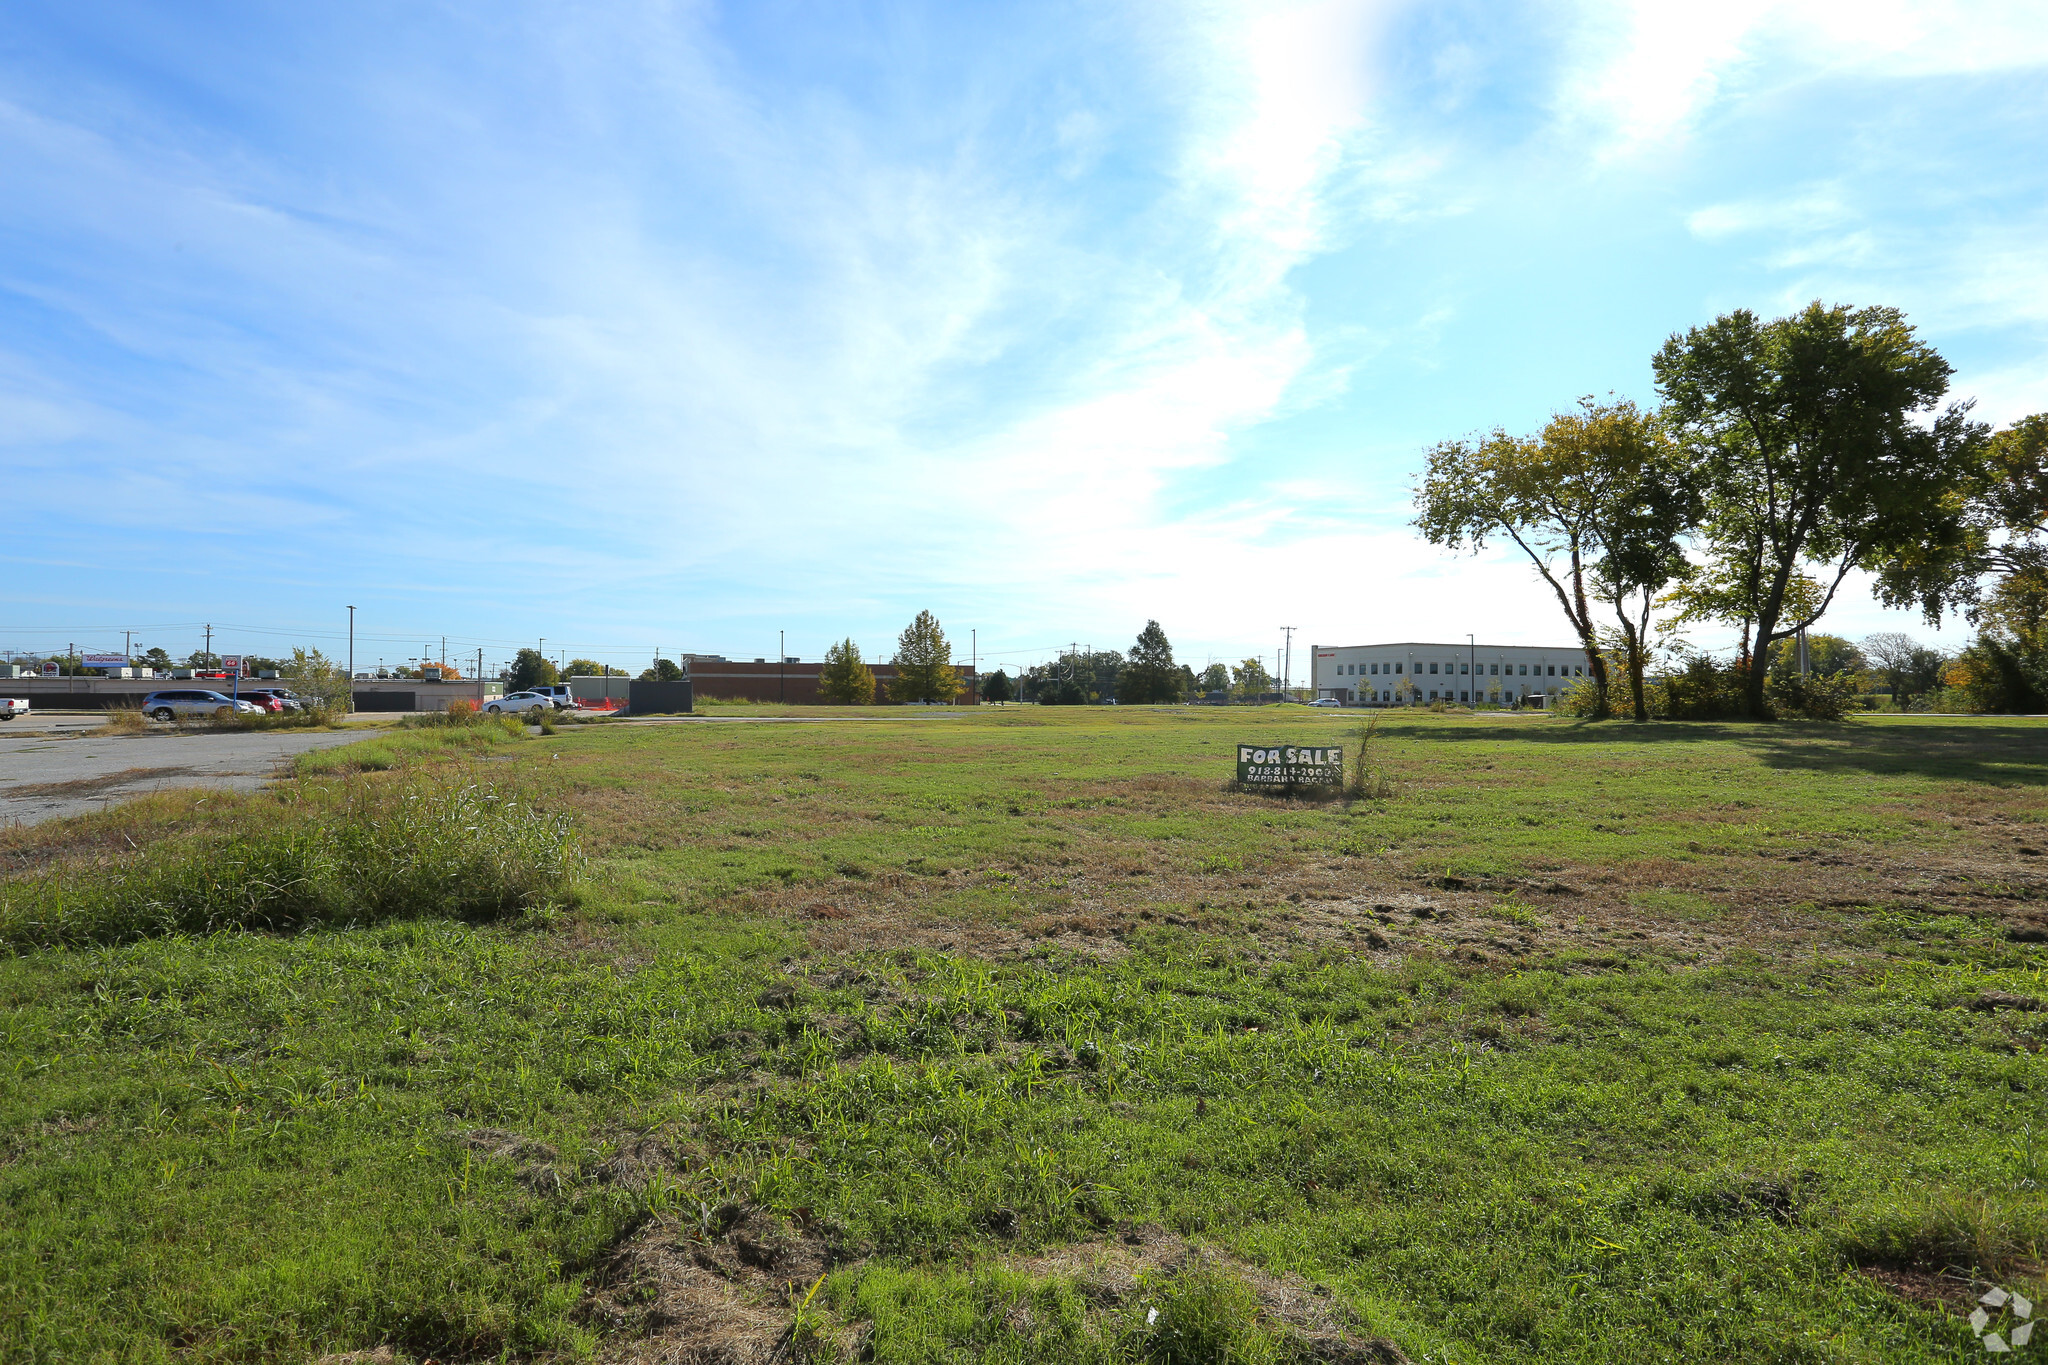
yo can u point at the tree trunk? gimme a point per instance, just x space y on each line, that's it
1635 684
1753 685
1596 665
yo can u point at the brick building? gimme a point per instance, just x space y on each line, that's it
795 683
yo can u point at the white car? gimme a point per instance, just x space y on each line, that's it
10 707
519 703
1326 701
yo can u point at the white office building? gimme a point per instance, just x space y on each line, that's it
1416 674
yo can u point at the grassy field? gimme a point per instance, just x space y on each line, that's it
1016 1035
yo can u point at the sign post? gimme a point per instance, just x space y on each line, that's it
1290 765
233 664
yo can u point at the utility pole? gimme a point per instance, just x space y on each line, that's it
974 664
351 657
781 665
208 651
479 677
1472 661
128 647
1802 652
1287 669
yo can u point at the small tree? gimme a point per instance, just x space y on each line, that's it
531 668
1152 676
312 674
584 668
846 680
996 687
156 658
664 670
924 663
1597 501
1215 678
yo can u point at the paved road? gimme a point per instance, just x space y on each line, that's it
63 765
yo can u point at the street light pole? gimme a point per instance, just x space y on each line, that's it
351 655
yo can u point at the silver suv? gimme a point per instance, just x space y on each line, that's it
191 702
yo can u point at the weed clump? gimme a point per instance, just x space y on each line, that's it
460 715
1368 780
126 720
417 851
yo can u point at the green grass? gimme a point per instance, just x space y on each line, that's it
1578 1146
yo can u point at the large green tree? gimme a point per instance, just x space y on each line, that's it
846 679
1598 501
997 687
1250 680
1906 667
924 663
1822 448
1151 675
531 668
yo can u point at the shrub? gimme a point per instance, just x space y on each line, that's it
379 853
1812 697
461 715
1701 690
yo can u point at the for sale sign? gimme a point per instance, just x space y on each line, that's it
1290 765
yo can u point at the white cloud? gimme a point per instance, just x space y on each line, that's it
1652 68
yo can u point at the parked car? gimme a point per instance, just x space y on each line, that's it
290 700
1326 701
10 707
519 703
193 702
557 693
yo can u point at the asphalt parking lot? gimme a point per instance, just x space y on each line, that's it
56 765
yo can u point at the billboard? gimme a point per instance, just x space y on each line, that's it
104 660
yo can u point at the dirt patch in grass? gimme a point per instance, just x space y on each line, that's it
719 1289
1922 1289
1117 1270
1669 910
725 1288
86 786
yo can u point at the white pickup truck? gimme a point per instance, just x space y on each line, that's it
10 707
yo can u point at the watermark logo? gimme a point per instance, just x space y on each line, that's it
2012 1313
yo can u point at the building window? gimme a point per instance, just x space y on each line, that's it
1464 696
1397 668
1496 670
1525 670
1465 667
1432 668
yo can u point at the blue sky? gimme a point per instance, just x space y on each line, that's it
629 325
